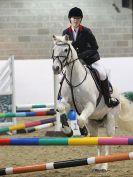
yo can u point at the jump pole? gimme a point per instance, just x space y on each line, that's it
66 164
26 125
34 106
38 127
27 114
66 141
36 110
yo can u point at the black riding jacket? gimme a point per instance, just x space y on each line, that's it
85 44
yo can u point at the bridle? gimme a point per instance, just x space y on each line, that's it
65 62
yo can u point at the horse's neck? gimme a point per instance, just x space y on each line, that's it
78 72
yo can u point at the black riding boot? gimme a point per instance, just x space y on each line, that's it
109 101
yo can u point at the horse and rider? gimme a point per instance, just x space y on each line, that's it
84 42
79 90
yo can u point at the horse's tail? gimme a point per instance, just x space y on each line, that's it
125 118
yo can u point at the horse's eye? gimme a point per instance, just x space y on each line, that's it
65 50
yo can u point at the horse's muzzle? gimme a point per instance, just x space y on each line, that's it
56 69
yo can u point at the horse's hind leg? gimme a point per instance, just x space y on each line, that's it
103 167
103 150
93 127
106 150
110 129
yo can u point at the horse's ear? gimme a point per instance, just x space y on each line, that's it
66 37
54 37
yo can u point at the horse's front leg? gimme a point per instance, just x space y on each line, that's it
63 107
83 118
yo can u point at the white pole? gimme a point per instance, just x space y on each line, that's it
56 90
13 88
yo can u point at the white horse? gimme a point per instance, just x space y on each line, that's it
79 89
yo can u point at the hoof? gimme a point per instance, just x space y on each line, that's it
65 126
64 120
67 131
84 131
98 170
70 134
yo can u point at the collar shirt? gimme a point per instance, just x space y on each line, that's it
75 33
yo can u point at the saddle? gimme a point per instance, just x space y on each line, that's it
96 77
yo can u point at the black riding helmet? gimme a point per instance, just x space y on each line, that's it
75 12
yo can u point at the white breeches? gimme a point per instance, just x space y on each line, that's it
101 70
